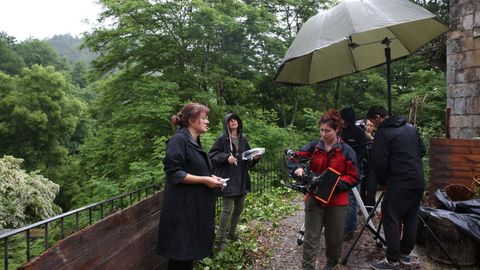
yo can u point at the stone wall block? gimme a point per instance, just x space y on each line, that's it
458 106
472 105
454 46
476 44
467 22
450 102
469 58
462 90
476 17
460 121
450 76
468 44
465 75
476 122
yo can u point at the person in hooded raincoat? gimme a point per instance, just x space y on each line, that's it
225 155
187 218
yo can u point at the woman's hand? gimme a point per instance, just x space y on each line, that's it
298 172
214 182
232 160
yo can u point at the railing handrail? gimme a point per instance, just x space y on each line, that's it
66 214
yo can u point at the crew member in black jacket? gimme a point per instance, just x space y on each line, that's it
355 137
396 160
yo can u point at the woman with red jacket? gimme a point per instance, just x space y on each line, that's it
328 151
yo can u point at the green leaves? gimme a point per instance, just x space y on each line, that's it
24 196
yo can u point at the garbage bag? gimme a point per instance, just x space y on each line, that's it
466 222
468 206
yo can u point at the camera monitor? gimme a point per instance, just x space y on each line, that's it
324 190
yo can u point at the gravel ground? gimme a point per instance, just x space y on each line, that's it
287 254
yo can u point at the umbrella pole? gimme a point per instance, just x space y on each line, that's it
388 58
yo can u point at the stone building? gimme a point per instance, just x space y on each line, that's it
463 69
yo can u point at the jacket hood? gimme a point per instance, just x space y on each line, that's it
394 121
226 130
227 117
348 114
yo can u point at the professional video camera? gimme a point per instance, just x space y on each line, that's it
306 183
321 186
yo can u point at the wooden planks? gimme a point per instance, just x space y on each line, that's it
453 161
123 240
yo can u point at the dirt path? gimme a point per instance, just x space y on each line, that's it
287 254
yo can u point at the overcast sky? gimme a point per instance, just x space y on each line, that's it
46 18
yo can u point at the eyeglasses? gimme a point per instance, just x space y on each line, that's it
204 118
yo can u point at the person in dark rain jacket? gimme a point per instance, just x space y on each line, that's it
328 151
225 155
396 161
187 227
355 137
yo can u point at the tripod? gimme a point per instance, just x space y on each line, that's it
368 222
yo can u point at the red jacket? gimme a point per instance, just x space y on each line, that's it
341 158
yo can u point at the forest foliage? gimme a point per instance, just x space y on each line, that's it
98 126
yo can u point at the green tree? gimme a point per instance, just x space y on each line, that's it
79 74
132 120
10 62
38 116
38 52
25 197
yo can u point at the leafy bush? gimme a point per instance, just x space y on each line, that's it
24 197
269 206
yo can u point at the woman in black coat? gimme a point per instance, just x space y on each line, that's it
226 158
187 226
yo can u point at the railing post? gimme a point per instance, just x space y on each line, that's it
62 229
27 235
5 253
77 221
46 236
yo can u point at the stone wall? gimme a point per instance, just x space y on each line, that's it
463 69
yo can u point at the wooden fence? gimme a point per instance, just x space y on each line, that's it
124 240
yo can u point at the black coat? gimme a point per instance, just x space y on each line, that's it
355 137
396 157
186 230
239 182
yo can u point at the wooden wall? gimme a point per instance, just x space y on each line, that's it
124 240
453 161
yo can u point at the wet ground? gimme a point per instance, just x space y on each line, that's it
287 254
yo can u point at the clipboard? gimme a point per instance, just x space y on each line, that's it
325 189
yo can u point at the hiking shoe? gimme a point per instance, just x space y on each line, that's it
385 265
405 259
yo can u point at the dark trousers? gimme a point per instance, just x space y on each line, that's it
232 209
317 217
400 206
180 265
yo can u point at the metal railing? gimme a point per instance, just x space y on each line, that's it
264 176
99 210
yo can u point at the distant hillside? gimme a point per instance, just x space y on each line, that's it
69 46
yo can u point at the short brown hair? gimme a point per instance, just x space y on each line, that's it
190 111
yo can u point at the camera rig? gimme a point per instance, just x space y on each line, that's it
309 180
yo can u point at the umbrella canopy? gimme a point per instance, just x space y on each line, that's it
352 37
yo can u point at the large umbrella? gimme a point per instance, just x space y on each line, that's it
356 35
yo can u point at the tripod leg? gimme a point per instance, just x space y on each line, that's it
301 235
370 216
